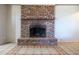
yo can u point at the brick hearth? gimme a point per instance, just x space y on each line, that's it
37 41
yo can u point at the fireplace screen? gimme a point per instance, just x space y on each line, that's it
38 31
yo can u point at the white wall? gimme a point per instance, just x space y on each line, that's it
17 17
17 8
14 23
67 22
3 19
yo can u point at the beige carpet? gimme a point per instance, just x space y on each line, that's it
37 50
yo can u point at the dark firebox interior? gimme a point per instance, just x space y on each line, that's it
38 31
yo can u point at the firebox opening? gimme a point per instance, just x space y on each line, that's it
38 31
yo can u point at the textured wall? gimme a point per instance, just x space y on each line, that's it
37 12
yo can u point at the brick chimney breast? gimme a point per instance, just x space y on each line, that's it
35 15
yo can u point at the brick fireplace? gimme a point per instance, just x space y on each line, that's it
37 25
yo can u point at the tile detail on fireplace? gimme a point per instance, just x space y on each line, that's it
37 30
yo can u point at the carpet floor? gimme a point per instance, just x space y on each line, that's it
64 48
37 50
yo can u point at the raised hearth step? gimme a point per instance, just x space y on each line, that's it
37 41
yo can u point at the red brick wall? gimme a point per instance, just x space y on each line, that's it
33 14
37 12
